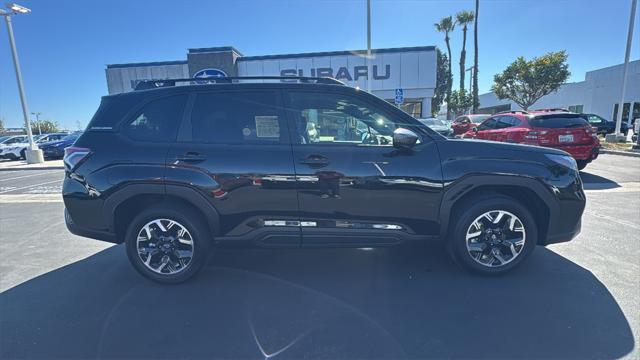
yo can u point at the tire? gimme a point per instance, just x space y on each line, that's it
484 262
582 164
171 246
23 154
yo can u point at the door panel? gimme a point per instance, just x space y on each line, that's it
235 150
354 187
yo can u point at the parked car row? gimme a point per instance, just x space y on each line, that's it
555 128
52 145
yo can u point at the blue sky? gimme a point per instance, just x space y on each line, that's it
64 45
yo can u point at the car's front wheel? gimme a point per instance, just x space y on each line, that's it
168 244
493 235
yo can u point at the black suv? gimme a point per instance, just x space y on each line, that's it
174 171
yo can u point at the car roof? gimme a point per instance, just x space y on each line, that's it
180 89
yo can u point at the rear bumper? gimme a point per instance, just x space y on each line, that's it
89 233
581 152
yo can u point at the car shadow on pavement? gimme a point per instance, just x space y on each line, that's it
596 182
404 302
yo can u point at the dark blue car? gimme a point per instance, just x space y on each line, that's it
55 149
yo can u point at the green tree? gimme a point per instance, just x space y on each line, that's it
526 81
442 76
476 100
44 127
464 18
461 102
447 25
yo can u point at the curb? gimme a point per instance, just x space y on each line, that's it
34 168
621 153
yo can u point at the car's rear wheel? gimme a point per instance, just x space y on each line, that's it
168 244
493 235
23 154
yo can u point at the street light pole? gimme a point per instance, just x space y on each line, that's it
37 114
33 154
369 73
616 135
470 70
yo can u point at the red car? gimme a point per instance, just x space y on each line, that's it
554 128
464 123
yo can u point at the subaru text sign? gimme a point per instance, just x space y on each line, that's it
399 96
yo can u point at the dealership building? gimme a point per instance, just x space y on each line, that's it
410 69
599 94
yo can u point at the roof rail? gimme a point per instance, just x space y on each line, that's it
512 112
553 109
154 84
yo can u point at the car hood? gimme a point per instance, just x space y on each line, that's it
510 147
439 128
55 143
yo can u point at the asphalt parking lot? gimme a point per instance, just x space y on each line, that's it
62 296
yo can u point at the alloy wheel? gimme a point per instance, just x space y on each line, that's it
165 246
495 238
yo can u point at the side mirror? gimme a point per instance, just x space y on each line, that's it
474 129
404 138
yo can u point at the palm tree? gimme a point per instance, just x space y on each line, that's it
476 101
446 25
463 18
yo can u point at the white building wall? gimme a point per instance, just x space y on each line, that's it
598 93
412 71
123 79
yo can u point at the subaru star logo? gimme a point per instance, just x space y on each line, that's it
208 73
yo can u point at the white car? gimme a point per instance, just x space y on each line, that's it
16 150
10 141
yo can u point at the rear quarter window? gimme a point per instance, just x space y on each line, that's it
558 122
157 121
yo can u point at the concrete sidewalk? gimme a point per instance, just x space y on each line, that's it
22 165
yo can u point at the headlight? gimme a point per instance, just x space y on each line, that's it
564 160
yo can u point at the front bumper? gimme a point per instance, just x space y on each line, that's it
565 215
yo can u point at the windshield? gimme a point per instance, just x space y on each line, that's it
558 122
3 138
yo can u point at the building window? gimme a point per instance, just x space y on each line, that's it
625 112
576 108
412 107
494 109
636 111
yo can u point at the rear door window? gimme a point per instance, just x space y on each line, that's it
157 121
488 124
558 122
248 117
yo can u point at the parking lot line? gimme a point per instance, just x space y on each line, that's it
30 186
24 176
30 198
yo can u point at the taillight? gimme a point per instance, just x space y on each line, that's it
74 155
534 135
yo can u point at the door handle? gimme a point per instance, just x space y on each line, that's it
192 157
315 161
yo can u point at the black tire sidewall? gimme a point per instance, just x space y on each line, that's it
474 209
187 218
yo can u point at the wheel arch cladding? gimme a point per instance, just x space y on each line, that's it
128 208
531 197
